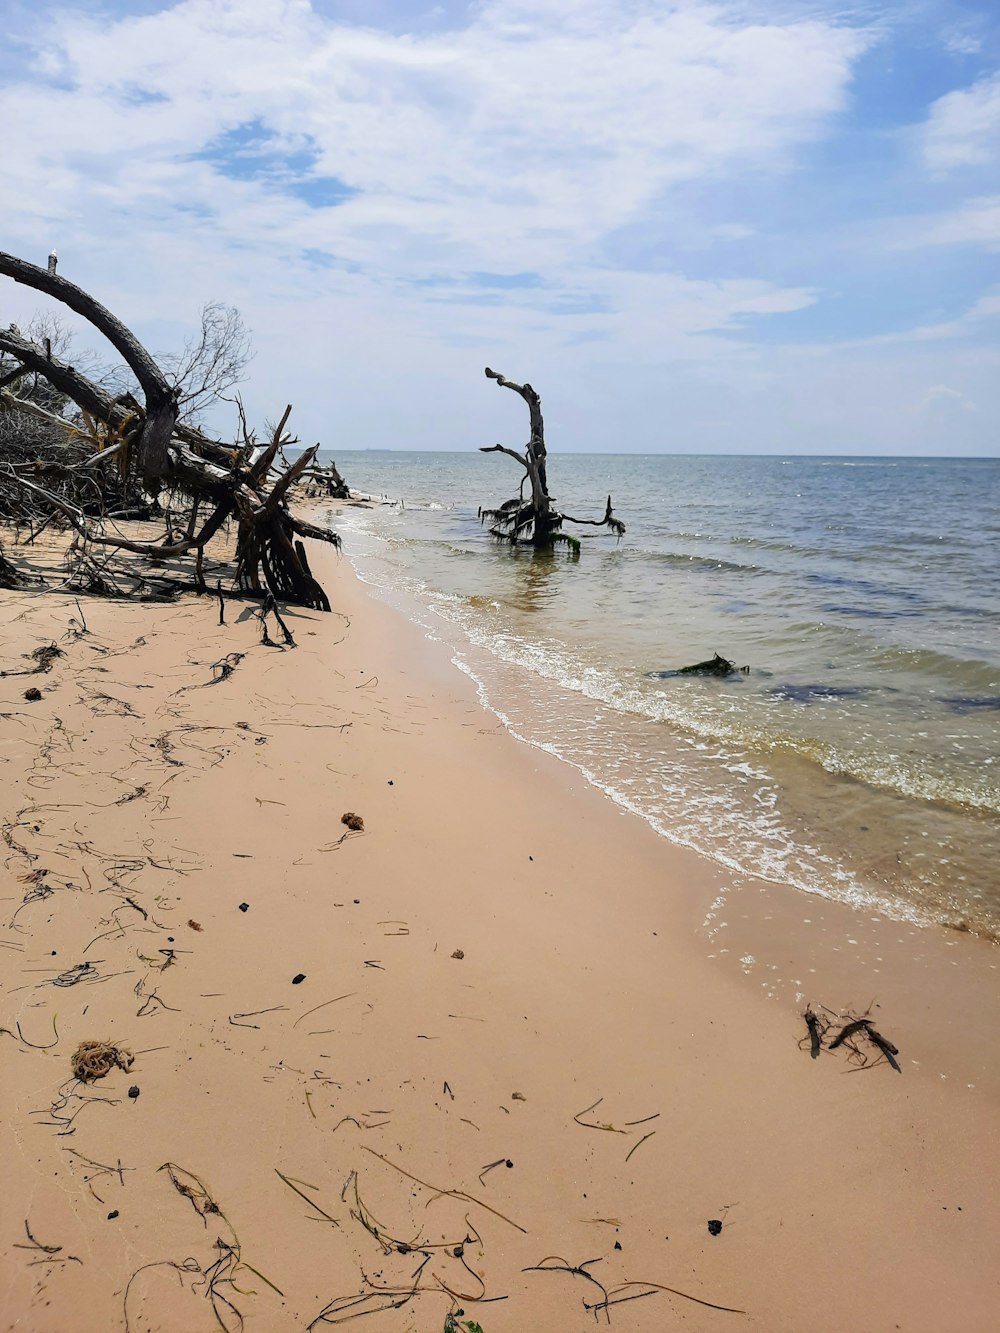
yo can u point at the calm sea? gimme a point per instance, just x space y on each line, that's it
858 759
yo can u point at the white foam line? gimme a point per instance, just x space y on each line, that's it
851 893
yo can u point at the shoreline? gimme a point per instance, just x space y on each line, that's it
771 912
845 762
581 979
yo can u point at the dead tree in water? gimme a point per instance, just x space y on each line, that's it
535 521
196 484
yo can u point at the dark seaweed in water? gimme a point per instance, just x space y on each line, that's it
868 612
972 703
807 694
867 587
714 666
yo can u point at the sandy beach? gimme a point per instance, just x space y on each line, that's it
502 1055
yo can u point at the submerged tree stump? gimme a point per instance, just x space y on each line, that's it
535 521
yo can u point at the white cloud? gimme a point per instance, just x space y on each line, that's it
943 399
963 129
974 222
968 324
535 129
963 44
523 142
518 143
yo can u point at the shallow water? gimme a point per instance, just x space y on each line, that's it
857 759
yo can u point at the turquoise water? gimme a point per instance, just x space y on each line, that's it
857 759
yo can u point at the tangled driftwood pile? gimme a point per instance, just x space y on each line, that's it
78 455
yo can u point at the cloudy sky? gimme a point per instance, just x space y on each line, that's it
743 226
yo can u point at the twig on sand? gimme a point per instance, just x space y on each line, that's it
34 1046
221 671
316 1007
99 1170
49 1252
254 1013
615 1297
343 1308
848 1031
306 1198
817 1030
454 1194
491 1166
886 1047
640 1143
590 1124
554 1264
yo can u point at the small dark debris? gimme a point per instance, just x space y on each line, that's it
33 695
357 901
714 1227
459 953
113 1214
244 907
391 783
520 1097
508 1163
618 1244
298 978
195 925
133 1091
354 822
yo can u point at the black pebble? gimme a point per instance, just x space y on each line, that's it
170 939
300 977
509 1163
391 783
618 1244
112 1215
357 900
714 1227
133 1091
244 907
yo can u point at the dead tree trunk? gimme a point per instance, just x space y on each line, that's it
160 413
148 444
535 521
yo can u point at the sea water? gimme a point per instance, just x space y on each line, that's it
859 758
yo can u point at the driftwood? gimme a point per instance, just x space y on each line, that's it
535 520
818 1026
120 457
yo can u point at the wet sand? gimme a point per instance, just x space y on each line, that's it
623 1025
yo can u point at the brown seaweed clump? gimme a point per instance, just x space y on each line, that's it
354 822
94 1059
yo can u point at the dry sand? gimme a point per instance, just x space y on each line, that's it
425 1108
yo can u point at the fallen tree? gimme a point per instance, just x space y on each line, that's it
534 520
130 455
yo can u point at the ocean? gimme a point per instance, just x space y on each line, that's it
858 757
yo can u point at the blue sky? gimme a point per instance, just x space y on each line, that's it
745 226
